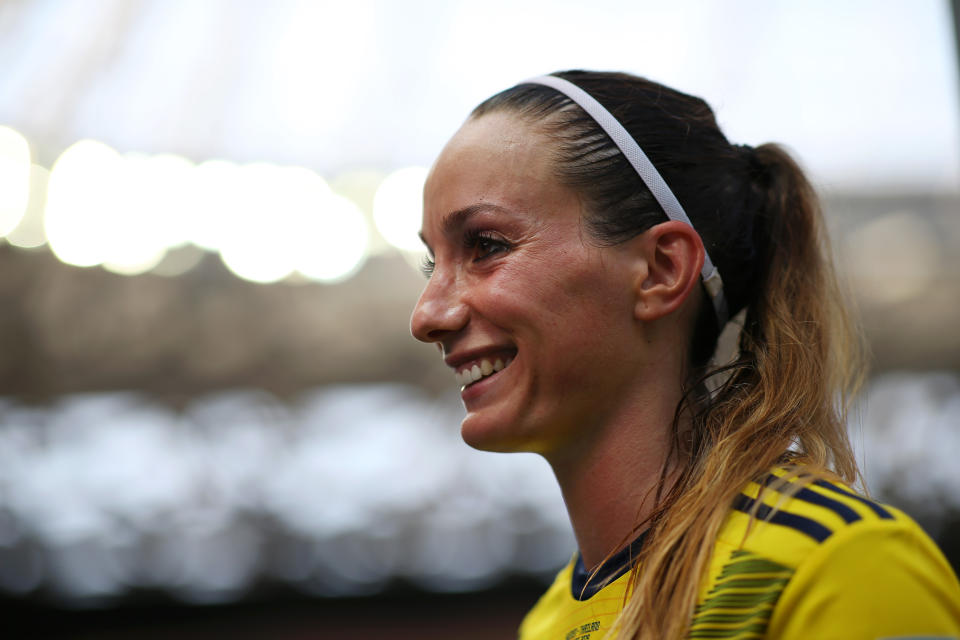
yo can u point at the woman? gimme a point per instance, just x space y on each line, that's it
590 235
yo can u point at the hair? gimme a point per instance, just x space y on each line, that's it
783 401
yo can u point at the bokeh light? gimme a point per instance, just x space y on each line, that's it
162 184
121 211
82 199
15 178
398 207
287 219
333 245
136 212
142 217
30 234
211 191
256 239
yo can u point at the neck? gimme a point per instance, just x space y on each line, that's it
609 482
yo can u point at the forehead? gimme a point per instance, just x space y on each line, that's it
500 134
498 158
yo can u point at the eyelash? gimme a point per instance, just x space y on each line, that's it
426 266
472 239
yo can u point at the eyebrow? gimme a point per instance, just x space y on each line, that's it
456 219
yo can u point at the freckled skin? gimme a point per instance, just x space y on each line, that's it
563 303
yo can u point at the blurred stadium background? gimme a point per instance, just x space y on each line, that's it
213 420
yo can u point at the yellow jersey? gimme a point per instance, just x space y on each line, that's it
828 563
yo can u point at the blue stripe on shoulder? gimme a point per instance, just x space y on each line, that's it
842 510
877 508
810 527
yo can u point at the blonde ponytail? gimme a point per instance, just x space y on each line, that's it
784 403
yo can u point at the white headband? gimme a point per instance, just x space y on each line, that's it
647 172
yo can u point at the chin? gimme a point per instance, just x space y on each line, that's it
486 439
494 435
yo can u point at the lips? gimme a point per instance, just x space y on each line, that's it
480 369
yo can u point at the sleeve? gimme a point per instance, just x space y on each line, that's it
870 582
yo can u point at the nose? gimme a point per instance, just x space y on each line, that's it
440 310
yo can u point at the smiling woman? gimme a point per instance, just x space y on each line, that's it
578 227
512 264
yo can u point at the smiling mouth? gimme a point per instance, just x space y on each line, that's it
468 375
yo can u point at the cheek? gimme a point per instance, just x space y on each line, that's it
590 296
521 294
580 305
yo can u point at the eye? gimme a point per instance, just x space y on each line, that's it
484 244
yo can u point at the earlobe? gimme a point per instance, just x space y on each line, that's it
669 261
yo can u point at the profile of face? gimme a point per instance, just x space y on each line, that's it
520 296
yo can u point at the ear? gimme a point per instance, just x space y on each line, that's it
672 255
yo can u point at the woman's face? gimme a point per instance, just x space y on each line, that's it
518 284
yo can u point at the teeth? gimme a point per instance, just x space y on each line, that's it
477 371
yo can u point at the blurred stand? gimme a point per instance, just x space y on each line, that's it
353 509
66 330
283 453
